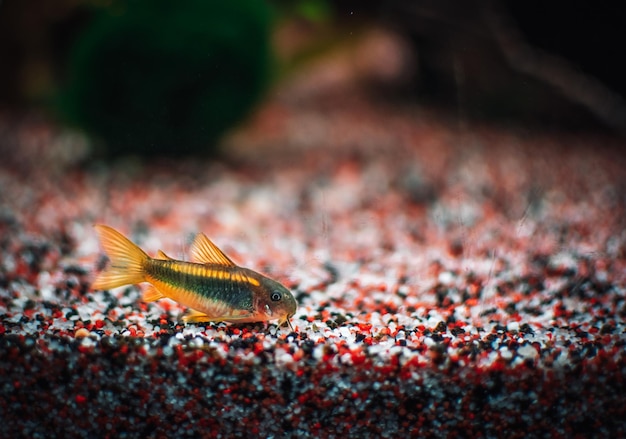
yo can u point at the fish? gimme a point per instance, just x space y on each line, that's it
211 285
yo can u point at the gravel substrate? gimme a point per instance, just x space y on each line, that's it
450 283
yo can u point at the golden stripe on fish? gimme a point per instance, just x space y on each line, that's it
212 285
212 271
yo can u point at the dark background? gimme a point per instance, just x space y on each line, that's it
548 66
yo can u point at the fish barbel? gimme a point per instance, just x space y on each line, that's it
212 286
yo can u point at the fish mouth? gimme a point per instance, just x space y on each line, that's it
287 319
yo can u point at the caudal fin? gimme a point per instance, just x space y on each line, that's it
127 260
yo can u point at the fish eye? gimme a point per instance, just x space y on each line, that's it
276 296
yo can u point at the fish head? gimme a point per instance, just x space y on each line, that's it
275 300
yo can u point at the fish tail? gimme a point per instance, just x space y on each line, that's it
128 261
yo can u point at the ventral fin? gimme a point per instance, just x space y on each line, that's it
152 294
193 316
203 251
161 255
242 316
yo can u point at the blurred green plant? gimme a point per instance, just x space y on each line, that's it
158 77
315 11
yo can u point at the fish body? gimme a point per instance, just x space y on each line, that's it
211 285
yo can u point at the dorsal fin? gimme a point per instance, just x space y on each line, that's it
161 255
203 251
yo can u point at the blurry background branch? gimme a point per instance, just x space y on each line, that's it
608 106
155 77
552 65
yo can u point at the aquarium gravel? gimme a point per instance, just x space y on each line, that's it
451 282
